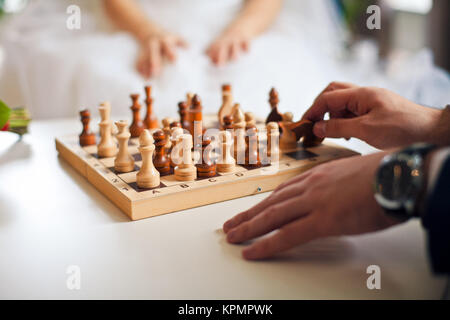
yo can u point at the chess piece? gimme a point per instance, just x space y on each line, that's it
239 134
105 114
226 162
175 124
137 126
106 147
87 137
189 97
206 168
147 177
273 137
150 120
252 159
304 129
196 117
288 139
228 122
186 170
175 152
124 162
274 115
249 120
183 112
227 103
161 161
166 128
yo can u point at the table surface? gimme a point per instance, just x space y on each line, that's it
52 218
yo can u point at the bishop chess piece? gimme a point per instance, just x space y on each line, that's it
227 103
274 115
252 159
87 137
150 120
123 162
226 163
147 177
161 161
137 126
185 171
107 146
206 168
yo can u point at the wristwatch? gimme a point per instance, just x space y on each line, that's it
400 181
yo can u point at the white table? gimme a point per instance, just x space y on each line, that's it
51 218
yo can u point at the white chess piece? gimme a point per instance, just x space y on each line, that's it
124 162
148 176
226 162
273 140
107 146
239 134
186 171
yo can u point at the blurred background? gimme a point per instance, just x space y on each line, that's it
54 71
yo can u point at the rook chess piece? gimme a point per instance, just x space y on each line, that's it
161 161
147 177
124 162
150 120
274 115
137 126
206 168
87 137
186 170
226 162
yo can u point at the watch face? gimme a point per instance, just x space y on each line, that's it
394 181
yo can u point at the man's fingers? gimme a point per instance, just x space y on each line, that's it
234 50
338 128
154 57
271 218
222 54
337 101
297 232
274 198
245 45
180 42
169 50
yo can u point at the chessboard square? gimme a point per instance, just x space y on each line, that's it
90 149
301 154
108 162
135 170
236 170
137 157
136 187
128 177
170 180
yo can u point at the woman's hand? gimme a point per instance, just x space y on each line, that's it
332 199
380 117
228 47
156 48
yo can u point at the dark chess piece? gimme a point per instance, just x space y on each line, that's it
137 126
161 161
87 137
183 112
150 120
206 168
274 115
228 122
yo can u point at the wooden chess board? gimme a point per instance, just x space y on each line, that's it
173 195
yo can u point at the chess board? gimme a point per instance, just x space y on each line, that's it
173 195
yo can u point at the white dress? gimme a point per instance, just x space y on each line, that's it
55 71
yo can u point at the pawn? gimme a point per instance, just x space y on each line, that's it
252 159
87 137
228 122
249 120
273 136
239 135
186 170
175 152
166 128
161 161
147 177
123 162
137 126
206 168
226 161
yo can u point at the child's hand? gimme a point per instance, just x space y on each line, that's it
227 47
154 49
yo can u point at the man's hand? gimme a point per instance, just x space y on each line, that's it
227 47
380 117
157 47
332 199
